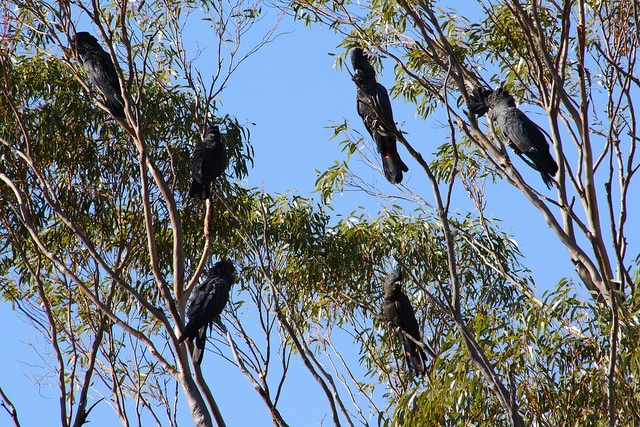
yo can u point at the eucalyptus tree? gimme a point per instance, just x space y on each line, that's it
102 247
576 63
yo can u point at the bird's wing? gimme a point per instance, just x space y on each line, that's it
207 303
384 104
102 73
197 160
407 317
390 311
214 161
197 311
219 296
523 132
365 110
200 301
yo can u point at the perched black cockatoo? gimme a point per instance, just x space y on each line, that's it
372 101
100 70
398 311
206 306
208 162
525 137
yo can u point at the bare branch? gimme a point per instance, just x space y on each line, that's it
8 406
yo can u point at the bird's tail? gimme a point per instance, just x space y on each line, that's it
199 191
415 357
542 162
546 178
393 167
116 107
548 167
198 347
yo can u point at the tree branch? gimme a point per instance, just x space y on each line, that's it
8 406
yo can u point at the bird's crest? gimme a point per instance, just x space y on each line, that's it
362 68
213 130
224 268
83 42
393 280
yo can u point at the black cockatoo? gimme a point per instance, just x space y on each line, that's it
208 162
100 70
525 137
374 106
206 306
398 311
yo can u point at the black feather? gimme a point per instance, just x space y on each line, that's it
398 311
208 162
208 301
100 70
374 107
478 101
525 137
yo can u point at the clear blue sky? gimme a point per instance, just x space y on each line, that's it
292 92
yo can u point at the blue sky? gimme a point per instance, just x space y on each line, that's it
292 92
